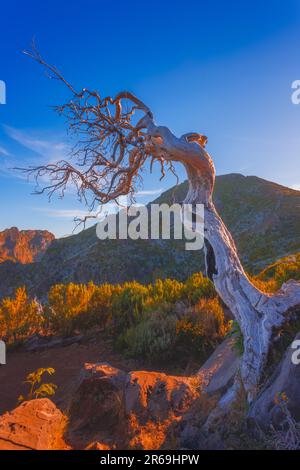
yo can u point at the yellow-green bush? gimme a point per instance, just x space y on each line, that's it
202 328
161 334
20 317
79 306
167 290
152 339
272 278
198 287
129 305
269 286
167 319
65 303
99 310
144 313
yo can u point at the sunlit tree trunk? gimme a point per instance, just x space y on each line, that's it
257 313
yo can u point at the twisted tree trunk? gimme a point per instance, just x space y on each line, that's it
257 313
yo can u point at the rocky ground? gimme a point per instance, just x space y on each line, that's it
109 405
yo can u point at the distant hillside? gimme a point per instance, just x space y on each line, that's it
262 216
274 275
23 246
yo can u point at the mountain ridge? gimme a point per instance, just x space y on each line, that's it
262 216
23 246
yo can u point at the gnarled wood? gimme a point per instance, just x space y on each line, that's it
257 313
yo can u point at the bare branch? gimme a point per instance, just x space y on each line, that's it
115 137
110 144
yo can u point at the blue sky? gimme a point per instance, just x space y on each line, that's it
221 68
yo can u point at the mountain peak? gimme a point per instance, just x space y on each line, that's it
23 246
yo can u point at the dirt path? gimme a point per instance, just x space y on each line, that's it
67 362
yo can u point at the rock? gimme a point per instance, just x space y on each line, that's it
96 412
286 379
154 404
34 425
120 410
40 343
24 246
214 378
97 446
155 396
211 441
218 372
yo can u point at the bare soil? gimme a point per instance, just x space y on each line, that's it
67 362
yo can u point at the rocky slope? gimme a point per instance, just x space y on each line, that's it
24 246
109 408
263 218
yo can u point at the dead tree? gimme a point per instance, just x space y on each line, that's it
115 138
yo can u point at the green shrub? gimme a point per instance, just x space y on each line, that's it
152 339
65 303
79 306
272 278
129 304
201 329
20 317
167 290
98 312
234 331
198 287
160 334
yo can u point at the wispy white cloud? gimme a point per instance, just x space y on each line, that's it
45 148
149 192
295 186
99 212
50 149
66 213
4 152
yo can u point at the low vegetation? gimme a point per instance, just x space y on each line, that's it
165 319
145 321
272 278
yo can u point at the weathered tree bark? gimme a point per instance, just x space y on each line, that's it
257 313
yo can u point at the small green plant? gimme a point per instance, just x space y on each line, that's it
236 334
36 388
